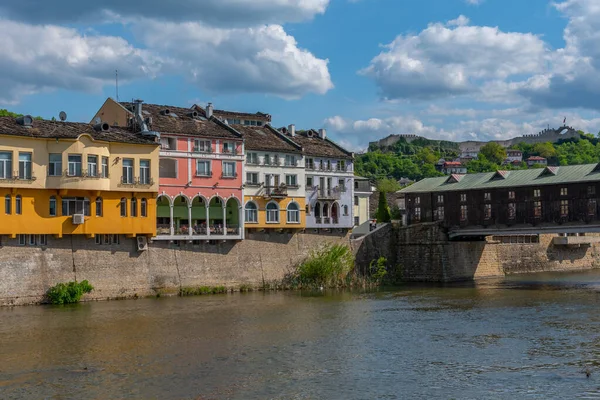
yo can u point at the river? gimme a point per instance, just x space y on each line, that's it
521 337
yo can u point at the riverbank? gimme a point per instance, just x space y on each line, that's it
119 270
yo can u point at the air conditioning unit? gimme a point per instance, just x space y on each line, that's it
142 243
78 219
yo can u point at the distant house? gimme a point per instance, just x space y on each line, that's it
469 153
514 155
536 160
453 167
467 159
403 182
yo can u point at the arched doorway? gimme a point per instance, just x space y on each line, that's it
318 213
232 216
199 221
326 219
181 216
216 216
335 212
163 215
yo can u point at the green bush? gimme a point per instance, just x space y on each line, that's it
197 291
66 293
378 269
328 267
383 210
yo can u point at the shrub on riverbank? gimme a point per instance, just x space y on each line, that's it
197 291
66 293
328 267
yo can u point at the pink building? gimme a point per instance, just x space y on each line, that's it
200 172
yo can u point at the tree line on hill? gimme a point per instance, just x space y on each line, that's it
417 160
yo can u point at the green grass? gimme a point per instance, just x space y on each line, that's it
201 290
328 267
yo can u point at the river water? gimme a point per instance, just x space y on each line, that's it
523 337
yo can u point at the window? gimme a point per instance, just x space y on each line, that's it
463 197
440 213
167 168
116 239
537 193
98 206
105 167
203 146
440 199
356 221
24 165
511 195
355 200
276 160
127 171
267 160
564 208
417 216
512 210
123 206
293 213
291 180
133 207
591 190
290 161
310 163
75 205
252 159
487 211
487 196
55 165
251 212
18 205
346 210
418 200
32 241
341 165
233 121
98 239
252 178
22 240
309 181
74 165
272 213
145 172
42 240
564 191
229 169
355 185
342 184
5 165
228 148
52 208
203 168
537 209
7 205
328 165
463 212
107 239
144 208
592 207
92 166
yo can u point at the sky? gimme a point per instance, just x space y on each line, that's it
362 69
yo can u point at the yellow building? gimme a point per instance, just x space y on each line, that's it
363 189
64 178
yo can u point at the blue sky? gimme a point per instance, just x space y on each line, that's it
364 69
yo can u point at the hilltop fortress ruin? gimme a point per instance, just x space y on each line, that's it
473 146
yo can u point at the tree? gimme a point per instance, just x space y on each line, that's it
383 210
493 152
545 150
388 185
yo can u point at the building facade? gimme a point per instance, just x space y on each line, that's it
453 167
536 197
329 181
64 178
200 175
363 189
274 179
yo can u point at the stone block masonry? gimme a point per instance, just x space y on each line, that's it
424 253
119 270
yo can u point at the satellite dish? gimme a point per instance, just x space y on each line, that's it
98 120
63 116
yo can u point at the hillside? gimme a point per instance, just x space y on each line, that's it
416 159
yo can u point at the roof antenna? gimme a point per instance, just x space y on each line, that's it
117 83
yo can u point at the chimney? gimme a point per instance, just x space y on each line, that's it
142 122
322 133
209 110
292 130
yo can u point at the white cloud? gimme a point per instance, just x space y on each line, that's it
262 59
446 61
38 58
460 21
474 2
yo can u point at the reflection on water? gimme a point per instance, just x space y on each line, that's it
527 336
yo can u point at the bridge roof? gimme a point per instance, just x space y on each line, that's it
492 180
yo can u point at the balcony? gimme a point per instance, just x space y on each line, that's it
276 192
136 182
231 152
202 150
229 176
16 177
329 194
